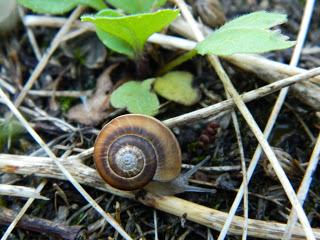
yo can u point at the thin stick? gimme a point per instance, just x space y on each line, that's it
30 35
46 56
244 174
71 93
80 189
254 128
155 221
304 188
267 131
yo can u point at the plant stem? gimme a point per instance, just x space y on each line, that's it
177 61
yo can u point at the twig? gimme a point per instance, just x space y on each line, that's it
304 188
255 129
155 222
30 35
267 131
43 226
46 56
46 93
244 173
20 191
80 189
214 168
45 167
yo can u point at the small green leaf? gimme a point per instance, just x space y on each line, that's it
59 6
136 97
246 34
111 41
136 6
177 86
10 129
135 29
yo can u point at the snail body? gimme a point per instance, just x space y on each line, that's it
132 150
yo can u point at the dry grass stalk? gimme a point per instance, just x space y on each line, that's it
44 167
20 191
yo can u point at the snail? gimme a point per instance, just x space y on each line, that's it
135 151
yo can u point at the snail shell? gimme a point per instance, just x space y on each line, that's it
131 150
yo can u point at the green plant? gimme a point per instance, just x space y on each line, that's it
128 34
249 33
60 6
138 97
137 6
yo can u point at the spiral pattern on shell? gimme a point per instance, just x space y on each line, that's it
133 149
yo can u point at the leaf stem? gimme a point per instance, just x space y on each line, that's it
177 61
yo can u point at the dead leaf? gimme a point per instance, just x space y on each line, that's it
93 109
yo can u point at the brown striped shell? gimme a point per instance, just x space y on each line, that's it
131 150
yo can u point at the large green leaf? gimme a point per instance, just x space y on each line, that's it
59 6
133 29
136 97
246 34
111 41
136 6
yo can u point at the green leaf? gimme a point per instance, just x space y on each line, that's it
10 129
49 6
111 41
260 19
59 6
133 29
136 97
137 6
96 4
246 34
177 86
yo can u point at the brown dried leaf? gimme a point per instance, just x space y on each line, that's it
92 110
